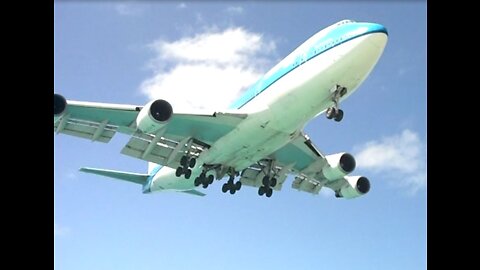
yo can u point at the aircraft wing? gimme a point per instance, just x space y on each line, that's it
101 121
302 159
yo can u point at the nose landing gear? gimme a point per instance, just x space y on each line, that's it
335 112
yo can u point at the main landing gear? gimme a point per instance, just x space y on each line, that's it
335 112
186 162
266 188
268 181
204 180
231 186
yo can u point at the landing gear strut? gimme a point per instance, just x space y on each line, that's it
186 162
335 112
268 182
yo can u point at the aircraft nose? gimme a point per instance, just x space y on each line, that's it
377 28
378 36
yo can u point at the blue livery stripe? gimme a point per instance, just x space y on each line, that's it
337 36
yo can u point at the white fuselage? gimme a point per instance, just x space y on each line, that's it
277 114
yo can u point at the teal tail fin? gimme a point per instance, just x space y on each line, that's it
125 176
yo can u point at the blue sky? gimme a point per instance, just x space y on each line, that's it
125 52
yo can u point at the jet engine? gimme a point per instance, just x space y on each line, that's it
154 115
59 106
356 186
338 166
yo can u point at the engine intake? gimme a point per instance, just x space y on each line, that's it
356 186
338 166
161 110
59 104
154 115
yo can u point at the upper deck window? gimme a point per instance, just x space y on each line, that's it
345 22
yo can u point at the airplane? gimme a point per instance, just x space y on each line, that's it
259 138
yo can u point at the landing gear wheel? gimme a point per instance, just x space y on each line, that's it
179 172
269 192
238 185
331 112
266 181
261 191
188 173
183 161
192 162
339 116
210 179
224 188
273 182
197 181
232 191
205 185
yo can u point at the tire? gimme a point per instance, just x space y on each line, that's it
331 112
266 181
197 182
273 182
269 192
210 179
224 188
238 185
232 191
192 162
205 185
188 173
261 191
179 172
339 116
183 161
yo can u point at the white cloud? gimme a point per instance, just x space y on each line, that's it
234 10
182 5
127 9
71 175
208 70
399 157
60 230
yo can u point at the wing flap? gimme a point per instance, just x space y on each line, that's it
101 132
253 177
306 185
137 146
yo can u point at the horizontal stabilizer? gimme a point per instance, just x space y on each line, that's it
194 192
125 176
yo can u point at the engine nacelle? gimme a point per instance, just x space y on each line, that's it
154 115
356 187
59 106
338 166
